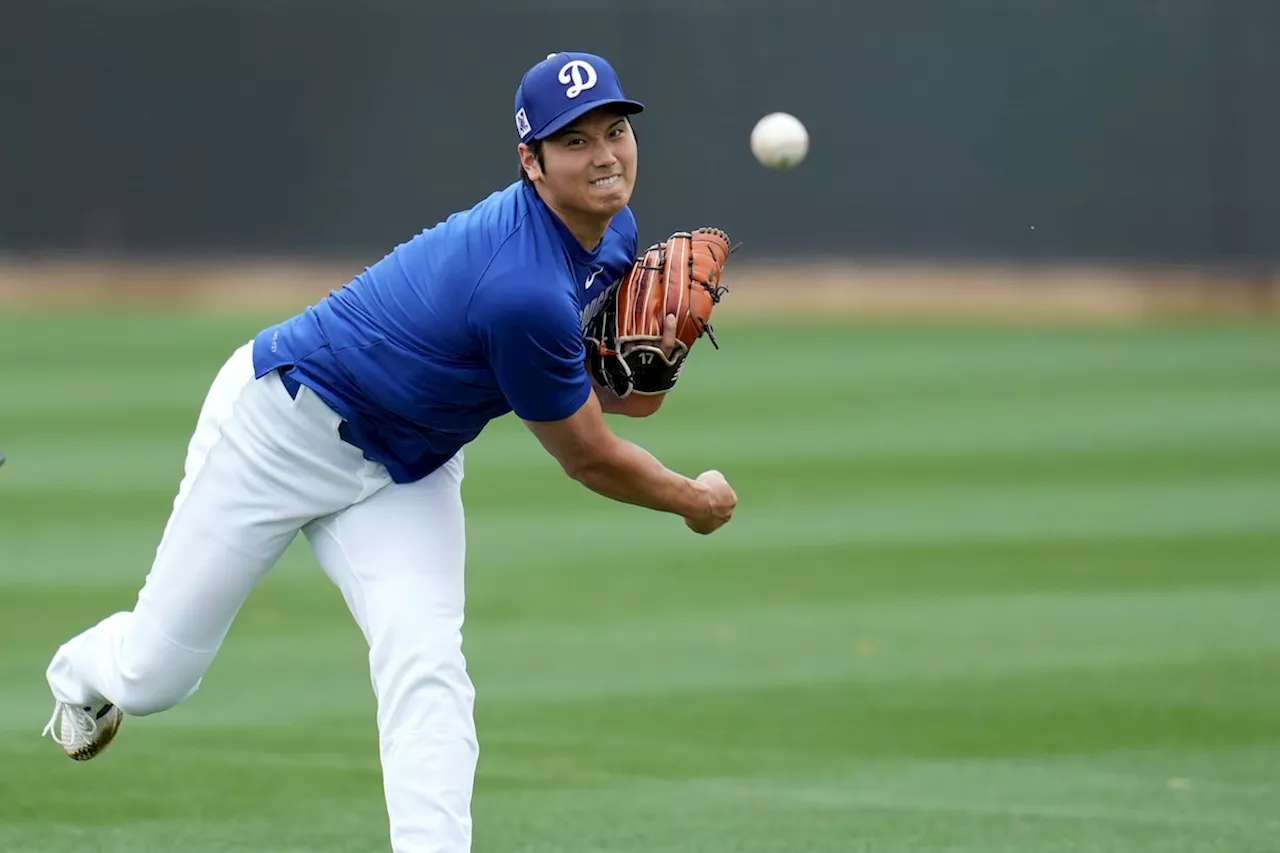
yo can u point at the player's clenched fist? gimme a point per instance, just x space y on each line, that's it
720 502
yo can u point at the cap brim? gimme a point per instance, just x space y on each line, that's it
567 117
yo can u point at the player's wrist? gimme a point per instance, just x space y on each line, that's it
700 503
640 405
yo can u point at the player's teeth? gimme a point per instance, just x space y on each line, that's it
604 182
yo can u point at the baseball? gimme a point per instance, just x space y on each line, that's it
780 141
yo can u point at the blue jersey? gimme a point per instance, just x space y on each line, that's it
475 317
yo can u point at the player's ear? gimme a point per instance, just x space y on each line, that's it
530 162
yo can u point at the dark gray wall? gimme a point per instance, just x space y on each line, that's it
1119 129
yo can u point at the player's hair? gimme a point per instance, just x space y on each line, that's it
535 147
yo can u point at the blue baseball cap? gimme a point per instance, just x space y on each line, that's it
562 87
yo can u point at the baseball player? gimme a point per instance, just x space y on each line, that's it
347 422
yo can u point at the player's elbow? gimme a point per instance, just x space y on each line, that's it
590 466
585 469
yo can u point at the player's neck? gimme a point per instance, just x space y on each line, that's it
587 230
589 234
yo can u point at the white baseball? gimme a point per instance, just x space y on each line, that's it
780 141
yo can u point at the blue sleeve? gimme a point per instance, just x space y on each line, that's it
532 337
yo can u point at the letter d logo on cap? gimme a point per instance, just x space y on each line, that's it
580 73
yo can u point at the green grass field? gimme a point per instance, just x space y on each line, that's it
989 590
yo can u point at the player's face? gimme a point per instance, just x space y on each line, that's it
590 166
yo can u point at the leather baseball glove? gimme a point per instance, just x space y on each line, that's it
679 276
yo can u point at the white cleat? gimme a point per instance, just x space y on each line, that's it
83 732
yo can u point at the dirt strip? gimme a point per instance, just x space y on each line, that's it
814 290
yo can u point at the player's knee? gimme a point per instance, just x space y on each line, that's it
140 697
440 677
157 684
426 686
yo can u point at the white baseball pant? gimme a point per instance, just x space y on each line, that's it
261 466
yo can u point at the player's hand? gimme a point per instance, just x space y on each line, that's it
668 337
720 502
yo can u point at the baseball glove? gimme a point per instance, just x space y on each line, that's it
679 276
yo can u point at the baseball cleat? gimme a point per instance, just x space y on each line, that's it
83 732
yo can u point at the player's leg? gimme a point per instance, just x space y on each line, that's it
398 559
259 465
